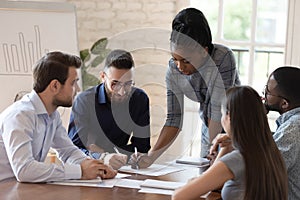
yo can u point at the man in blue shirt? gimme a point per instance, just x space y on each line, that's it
112 116
282 95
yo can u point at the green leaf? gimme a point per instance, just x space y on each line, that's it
105 52
100 52
89 80
87 58
84 54
99 46
97 61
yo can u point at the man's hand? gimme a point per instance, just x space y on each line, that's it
107 172
91 169
115 160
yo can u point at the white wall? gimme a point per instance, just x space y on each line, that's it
293 36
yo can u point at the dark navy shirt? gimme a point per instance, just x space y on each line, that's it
95 120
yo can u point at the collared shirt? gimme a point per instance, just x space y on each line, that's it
287 138
207 86
95 120
26 134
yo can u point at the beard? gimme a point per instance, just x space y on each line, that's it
119 99
115 97
272 107
65 103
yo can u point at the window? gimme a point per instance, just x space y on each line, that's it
254 29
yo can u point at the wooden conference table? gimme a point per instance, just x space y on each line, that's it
13 190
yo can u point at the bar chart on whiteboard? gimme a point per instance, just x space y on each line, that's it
20 56
28 31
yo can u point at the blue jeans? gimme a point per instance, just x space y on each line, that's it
205 144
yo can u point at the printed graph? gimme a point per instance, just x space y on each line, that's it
19 57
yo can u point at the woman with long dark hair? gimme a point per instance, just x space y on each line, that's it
249 165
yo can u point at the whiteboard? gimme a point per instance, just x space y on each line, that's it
28 31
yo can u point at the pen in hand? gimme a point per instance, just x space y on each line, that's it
119 159
136 155
116 150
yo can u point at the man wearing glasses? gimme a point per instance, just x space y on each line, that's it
112 116
282 95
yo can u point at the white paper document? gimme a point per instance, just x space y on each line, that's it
160 187
193 161
104 183
165 192
156 191
78 182
168 185
153 170
121 175
108 183
97 180
129 183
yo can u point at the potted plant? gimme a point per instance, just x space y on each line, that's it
92 58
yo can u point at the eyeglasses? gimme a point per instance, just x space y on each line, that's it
266 92
117 85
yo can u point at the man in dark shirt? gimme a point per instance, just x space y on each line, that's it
112 116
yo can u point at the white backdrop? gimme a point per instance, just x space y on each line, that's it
28 31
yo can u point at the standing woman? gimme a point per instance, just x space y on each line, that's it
254 169
199 70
